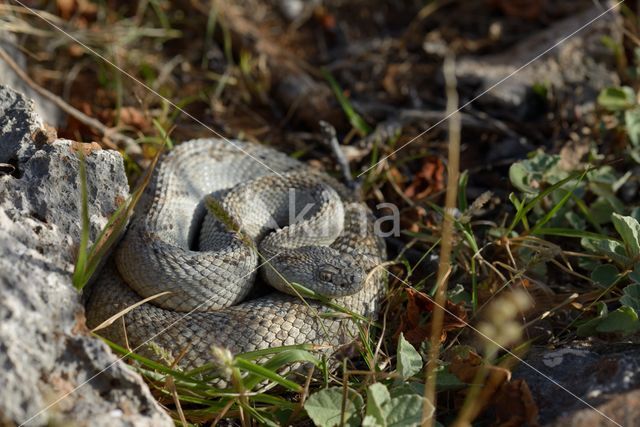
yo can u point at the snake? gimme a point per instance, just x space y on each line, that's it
221 233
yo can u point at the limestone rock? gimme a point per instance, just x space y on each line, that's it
585 383
53 370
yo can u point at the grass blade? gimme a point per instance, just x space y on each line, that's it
552 212
354 118
266 373
79 272
534 202
88 260
570 232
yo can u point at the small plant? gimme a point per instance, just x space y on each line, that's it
232 386
89 258
556 197
583 205
623 103
622 268
390 403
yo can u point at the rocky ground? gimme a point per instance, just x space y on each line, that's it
54 371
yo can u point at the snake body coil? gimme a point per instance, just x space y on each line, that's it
213 215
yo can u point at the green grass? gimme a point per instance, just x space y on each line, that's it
354 118
89 258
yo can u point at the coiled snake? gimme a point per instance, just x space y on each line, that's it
213 215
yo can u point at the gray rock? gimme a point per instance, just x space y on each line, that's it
49 111
605 376
574 71
52 370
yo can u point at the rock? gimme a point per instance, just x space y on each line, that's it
574 72
606 376
49 111
54 372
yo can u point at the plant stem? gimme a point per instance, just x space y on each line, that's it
444 266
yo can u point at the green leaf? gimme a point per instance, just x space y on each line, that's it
406 410
635 274
448 381
617 98
629 229
588 328
624 320
406 387
605 275
519 175
409 360
377 397
575 221
399 411
614 250
601 210
631 296
632 123
370 421
325 407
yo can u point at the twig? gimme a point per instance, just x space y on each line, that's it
444 267
329 137
472 119
131 147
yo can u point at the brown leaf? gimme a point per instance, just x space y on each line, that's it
130 116
326 20
465 367
66 8
412 219
79 10
412 323
86 148
430 179
514 405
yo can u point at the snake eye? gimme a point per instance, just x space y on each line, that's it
325 276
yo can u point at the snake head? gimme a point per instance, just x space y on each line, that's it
338 278
318 268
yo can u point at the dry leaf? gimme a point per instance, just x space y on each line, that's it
466 366
87 148
514 405
430 179
133 117
66 8
412 323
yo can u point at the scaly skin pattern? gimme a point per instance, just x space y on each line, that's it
210 272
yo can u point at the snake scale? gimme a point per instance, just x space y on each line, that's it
214 214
